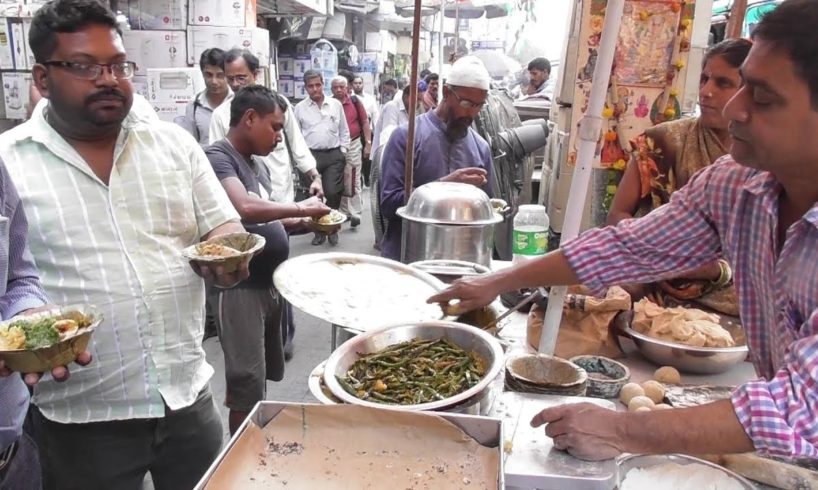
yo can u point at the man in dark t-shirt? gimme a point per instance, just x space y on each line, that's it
251 316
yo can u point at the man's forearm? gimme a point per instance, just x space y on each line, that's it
231 226
707 429
551 270
313 174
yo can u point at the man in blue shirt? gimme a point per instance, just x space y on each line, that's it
20 293
446 147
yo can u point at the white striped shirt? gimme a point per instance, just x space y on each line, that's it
117 247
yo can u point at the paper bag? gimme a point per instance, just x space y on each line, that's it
586 319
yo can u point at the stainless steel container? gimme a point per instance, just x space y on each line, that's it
446 220
468 338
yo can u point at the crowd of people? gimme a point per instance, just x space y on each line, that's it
99 197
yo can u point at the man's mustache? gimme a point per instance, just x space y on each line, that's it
105 95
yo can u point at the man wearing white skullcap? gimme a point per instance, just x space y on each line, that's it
446 147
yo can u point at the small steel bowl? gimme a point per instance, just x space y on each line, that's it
698 360
627 463
605 376
468 338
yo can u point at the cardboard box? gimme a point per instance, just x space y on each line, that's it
300 89
158 14
286 86
156 49
140 85
6 49
255 39
174 84
15 94
30 61
301 64
19 44
169 111
285 66
224 13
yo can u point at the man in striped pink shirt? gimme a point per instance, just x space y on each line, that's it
757 207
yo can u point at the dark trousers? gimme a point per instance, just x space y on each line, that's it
330 164
176 449
23 471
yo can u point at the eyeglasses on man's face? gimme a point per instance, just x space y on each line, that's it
91 71
466 103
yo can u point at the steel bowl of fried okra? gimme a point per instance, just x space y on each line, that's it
419 366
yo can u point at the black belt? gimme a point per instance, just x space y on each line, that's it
7 456
337 148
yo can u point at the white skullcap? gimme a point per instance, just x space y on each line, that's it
469 71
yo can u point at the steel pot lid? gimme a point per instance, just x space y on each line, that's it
449 203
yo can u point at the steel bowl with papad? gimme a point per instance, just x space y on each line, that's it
477 343
228 250
328 222
63 352
696 360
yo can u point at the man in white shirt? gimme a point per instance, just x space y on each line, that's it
242 68
199 112
393 115
539 80
112 200
326 132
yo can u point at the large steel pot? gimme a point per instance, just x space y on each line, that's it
447 220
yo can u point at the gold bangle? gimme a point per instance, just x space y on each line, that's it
725 277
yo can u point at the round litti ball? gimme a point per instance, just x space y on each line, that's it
662 406
643 409
629 391
654 390
667 374
640 401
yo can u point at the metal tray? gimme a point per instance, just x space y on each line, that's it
358 292
485 430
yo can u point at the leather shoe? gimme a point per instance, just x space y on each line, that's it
354 221
333 239
319 239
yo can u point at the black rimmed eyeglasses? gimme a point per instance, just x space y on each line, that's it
91 71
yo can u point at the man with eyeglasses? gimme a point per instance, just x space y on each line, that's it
447 149
199 112
112 200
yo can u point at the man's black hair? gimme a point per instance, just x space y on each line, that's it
310 74
391 82
541 64
431 77
212 57
790 28
258 97
249 58
64 16
424 73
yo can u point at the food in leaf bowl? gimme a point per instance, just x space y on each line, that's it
226 250
42 341
328 222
